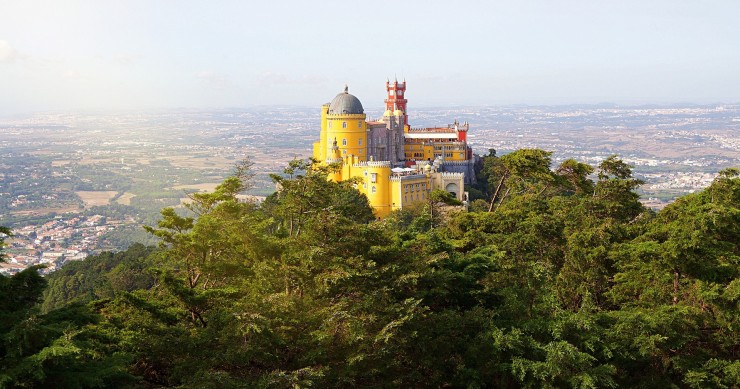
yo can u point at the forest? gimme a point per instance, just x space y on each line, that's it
556 277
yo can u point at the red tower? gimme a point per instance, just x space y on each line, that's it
396 99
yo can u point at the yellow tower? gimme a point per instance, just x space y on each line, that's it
376 186
344 120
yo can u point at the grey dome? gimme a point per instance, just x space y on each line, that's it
345 104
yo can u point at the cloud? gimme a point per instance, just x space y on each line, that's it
276 79
7 53
212 78
74 75
270 78
126 58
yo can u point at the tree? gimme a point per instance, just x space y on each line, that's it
614 192
574 177
56 349
525 171
4 233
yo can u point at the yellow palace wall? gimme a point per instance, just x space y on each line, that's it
450 151
350 133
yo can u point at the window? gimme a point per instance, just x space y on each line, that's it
373 188
374 177
344 152
344 142
407 188
344 124
364 185
359 142
359 124
329 124
365 173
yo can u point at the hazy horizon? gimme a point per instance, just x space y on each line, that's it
133 55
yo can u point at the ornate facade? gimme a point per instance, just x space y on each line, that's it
395 165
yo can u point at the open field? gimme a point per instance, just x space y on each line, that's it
45 211
200 162
93 198
96 161
125 198
250 198
203 187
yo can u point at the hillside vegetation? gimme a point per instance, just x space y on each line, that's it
553 279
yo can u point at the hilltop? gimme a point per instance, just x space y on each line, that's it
563 281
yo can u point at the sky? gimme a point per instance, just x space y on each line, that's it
65 55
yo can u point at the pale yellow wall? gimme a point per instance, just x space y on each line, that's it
414 190
396 195
317 151
418 151
450 151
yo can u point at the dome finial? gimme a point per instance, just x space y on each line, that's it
346 88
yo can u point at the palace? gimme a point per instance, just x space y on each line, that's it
396 165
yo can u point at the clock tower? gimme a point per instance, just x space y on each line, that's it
396 100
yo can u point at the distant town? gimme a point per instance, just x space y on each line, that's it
76 184
66 238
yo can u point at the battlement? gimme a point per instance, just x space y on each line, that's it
399 178
452 175
456 163
373 164
345 115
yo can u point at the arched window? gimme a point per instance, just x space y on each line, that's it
373 189
344 124
344 142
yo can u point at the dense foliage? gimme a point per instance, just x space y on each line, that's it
98 277
555 280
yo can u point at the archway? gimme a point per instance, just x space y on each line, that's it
452 188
